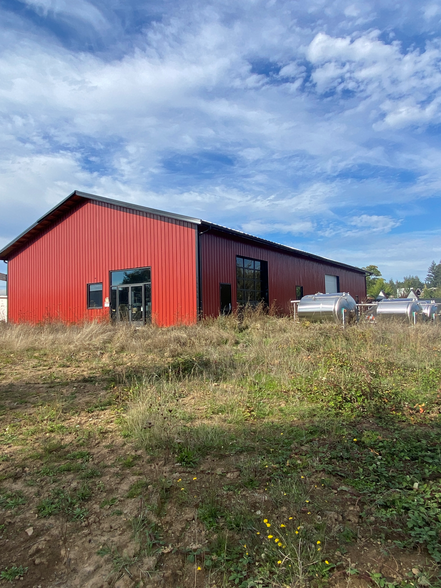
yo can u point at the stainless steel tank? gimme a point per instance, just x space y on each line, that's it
429 309
339 307
398 309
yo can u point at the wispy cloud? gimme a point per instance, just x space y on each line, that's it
80 9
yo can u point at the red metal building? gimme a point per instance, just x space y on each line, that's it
93 257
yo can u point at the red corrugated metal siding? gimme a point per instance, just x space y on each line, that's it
48 278
285 272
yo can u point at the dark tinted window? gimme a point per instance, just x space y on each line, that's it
299 292
130 276
252 281
95 295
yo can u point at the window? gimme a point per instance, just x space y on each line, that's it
299 292
95 295
251 281
332 284
139 275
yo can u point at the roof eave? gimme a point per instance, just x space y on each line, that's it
286 248
74 198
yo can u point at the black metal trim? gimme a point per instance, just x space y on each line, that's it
75 198
198 276
88 296
273 245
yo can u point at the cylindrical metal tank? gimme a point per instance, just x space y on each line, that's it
429 308
398 308
340 307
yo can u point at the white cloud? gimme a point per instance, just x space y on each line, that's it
80 9
375 223
431 10
262 228
320 143
404 85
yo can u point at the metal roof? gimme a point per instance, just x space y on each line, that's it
76 197
292 250
67 204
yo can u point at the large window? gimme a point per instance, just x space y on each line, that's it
139 275
95 295
252 281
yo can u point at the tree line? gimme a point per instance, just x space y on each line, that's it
431 287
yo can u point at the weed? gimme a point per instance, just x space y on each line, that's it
62 502
187 457
120 563
12 500
109 502
90 473
82 455
129 461
137 489
13 573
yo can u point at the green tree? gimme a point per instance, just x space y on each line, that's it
375 283
372 279
391 288
409 282
433 278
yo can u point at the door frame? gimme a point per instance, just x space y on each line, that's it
220 298
117 317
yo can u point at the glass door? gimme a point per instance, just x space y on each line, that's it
123 304
131 304
137 306
130 295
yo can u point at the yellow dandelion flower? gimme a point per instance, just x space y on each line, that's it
355 439
318 542
268 524
276 540
199 568
309 513
326 562
258 533
279 562
270 536
282 525
290 518
302 477
297 532
182 488
245 546
265 520
194 478
179 479
306 500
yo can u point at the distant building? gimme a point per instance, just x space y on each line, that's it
3 308
93 257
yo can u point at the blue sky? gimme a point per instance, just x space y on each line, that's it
315 124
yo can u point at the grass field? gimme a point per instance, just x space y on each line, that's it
253 453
